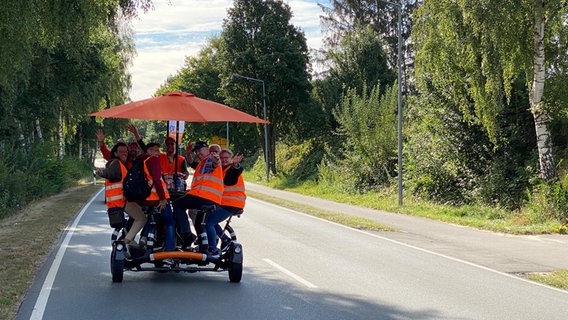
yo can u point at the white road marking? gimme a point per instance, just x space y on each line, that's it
41 303
416 248
291 274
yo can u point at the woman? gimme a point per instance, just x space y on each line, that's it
114 173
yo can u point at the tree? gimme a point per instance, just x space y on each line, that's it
368 122
345 16
67 59
473 52
358 61
259 42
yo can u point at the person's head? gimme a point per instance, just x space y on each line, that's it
133 150
201 150
170 145
119 151
153 149
226 156
214 148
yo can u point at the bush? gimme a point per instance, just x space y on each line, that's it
548 201
32 174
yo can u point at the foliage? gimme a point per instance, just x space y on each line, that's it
67 59
474 53
368 125
447 159
358 60
299 162
259 42
548 201
344 16
30 175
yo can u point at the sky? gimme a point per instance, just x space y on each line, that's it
179 28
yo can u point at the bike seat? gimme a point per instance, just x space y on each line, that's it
208 208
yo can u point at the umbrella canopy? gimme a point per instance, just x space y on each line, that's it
180 106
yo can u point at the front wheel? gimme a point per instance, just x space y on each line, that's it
117 262
235 272
235 262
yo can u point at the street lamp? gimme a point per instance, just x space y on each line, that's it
399 67
265 123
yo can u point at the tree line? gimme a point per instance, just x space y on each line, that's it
483 84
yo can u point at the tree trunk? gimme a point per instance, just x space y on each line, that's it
538 107
60 151
80 138
38 130
271 151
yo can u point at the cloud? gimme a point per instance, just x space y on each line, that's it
176 29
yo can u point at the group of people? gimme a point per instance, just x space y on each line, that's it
217 181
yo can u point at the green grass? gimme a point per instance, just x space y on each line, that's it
344 219
557 279
480 217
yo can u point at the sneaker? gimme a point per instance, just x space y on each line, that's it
188 239
213 255
142 241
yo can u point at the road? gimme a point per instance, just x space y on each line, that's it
296 267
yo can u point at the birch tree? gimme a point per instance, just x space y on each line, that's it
474 51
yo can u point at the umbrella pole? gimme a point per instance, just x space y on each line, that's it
176 155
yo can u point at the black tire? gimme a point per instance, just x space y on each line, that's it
235 272
116 268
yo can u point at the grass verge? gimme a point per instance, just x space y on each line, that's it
557 279
27 237
480 217
344 219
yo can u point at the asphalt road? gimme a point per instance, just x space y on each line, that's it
296 267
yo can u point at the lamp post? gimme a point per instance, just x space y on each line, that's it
265 123
399 67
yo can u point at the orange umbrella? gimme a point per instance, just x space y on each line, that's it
180 106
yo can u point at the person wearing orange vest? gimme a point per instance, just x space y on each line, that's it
233 200
159 196
132 146
114 173
170 163
206 189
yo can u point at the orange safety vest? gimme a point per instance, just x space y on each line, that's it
234 196
167 167
207 186
154 193
113 190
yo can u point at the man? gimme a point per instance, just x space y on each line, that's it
114 173
206 189
132 146
170 164
201 151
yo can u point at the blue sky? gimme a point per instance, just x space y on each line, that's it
180 28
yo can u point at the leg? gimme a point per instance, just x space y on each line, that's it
211 221
180 206
169 222
136 213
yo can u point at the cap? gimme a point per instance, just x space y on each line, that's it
198 145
